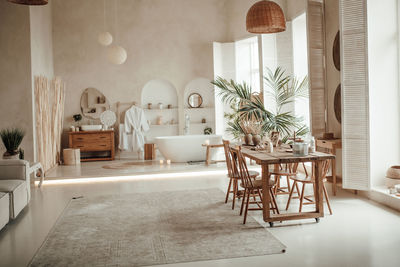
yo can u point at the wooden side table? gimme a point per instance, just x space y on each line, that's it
208 154
331 145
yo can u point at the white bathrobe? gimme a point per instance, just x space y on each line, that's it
136 124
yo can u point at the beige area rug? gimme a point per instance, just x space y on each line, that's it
153 228
129 165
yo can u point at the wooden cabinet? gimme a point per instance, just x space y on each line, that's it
94 145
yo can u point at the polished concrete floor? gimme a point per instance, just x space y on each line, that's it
359 233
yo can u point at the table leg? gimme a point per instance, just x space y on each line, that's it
265 186
319 199
208 156
334 172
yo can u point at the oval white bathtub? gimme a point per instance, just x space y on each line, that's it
184 148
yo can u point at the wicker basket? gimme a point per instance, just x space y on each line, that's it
265 17
393 172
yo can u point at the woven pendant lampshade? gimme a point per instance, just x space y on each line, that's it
265 17
30 2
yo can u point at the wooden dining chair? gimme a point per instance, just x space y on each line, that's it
280 171
233 174
253 189
309 179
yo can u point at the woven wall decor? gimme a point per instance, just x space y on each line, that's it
337 103
265 17
30 2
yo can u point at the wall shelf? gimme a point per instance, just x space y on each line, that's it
157 109
164 125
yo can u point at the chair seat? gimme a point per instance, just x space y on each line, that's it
252 174
8 186
18 191
257 184
304 179
282 173
4 209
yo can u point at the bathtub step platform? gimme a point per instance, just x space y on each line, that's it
208 154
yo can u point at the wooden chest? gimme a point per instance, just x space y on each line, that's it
94 145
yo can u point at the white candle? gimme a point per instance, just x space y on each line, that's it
161 162
207 142
168 161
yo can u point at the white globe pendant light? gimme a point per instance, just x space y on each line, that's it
105 38
117 54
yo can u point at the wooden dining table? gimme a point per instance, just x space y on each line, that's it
281 155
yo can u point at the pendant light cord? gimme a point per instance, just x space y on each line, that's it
115 19
104 15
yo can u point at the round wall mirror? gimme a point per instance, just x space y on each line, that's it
93 103
195 100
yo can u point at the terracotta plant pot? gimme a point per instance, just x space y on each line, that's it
256 139
247 139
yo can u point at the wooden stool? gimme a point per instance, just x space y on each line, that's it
72 156
149 151
208 154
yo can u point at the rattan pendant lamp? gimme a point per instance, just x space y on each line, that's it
30 2
265 17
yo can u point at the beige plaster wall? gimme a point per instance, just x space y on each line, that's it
166 39
332 74
41 40
15 73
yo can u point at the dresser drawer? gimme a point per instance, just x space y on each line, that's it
91 146
91 138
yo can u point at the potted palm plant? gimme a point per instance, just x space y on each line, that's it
12 139
249 109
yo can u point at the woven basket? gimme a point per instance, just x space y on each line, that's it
30 2
265 17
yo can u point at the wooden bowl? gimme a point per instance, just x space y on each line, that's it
393 172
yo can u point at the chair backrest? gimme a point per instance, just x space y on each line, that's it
228 157
243 170
14 170
324 169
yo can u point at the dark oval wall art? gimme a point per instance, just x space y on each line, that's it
336 51
337 104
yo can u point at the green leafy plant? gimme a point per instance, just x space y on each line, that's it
12 139
207 131
77 117
249 109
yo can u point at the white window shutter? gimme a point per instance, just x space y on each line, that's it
317 71
355 94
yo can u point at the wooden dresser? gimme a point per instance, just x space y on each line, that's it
94 145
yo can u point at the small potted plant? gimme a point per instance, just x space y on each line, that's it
12 139
77 118
207 131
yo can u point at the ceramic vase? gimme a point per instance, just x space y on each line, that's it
159 120
256 139
247 139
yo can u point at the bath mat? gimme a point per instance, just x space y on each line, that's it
153 228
